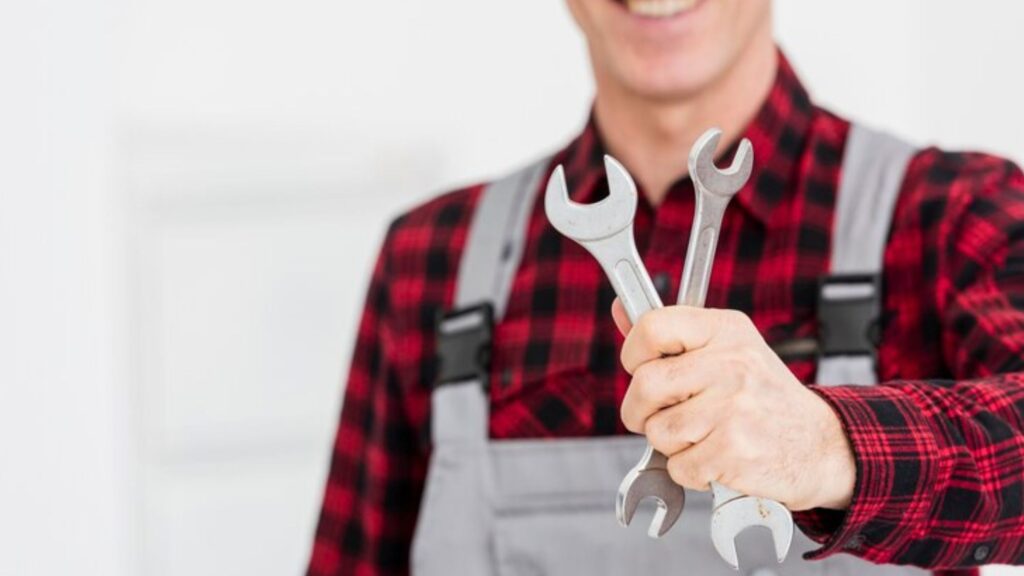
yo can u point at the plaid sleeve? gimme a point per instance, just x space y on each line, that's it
940 463
377 469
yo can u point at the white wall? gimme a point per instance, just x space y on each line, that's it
939 72
65 449
185 250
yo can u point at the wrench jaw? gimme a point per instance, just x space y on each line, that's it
642 484
589 222
735 516
605 229
720 182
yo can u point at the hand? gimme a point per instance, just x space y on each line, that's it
710 394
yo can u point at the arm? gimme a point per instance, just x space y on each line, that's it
377 467
940 464
921 472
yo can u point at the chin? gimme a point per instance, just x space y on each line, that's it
668 48
666 74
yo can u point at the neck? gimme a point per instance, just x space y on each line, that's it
653 136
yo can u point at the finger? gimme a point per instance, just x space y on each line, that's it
621 318
697 466
665 382
667 332
679 427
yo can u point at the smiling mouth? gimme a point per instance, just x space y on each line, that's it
658 8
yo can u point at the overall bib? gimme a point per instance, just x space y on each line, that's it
547 507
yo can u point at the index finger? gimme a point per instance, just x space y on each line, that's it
620 317
668 331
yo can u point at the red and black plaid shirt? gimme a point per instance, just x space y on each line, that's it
939 446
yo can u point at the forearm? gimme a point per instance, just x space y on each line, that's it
939 473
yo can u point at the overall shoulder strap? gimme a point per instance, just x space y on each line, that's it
495 240
850 297
493 250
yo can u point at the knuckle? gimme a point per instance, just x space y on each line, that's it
653 381
745 364
641 384
682 473
738 364
737 367
735 436
627 413
669 374
626 418
656 432
735 323
647 325
741 447
663 432
740 319
690 474
744 404
624 356
731 315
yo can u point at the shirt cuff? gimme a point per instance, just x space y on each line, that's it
898 470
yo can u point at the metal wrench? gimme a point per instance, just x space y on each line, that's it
731 511
605 229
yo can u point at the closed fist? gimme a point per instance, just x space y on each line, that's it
711 395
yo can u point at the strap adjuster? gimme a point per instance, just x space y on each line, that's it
849 309
464 344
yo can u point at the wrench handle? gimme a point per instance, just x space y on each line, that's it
621 263
700 254
722 493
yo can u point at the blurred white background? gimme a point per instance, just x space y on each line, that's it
192 192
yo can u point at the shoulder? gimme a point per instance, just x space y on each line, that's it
946 186
438 228
418 262
960 173
433 229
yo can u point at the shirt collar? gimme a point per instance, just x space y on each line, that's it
778 134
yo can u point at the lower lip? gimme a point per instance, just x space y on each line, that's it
661 21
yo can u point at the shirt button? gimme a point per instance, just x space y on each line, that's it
855 542
981 552
661 283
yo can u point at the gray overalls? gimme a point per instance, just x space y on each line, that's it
547 507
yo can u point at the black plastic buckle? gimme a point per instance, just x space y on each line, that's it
849 309
464 344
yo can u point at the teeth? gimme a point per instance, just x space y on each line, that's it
659 8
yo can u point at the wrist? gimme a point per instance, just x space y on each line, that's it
838 466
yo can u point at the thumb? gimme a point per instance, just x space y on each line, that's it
621 318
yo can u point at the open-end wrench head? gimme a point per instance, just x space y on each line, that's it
725 182
654 484
735 516
585 222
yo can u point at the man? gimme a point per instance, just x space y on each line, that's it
925 469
